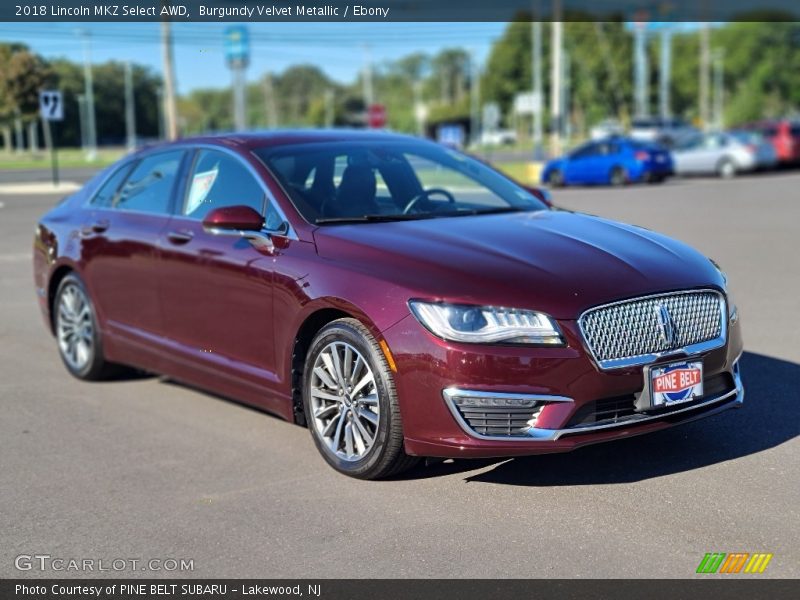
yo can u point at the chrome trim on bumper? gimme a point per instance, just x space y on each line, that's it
453 392
735 397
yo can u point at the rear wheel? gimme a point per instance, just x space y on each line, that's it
351 404
726 168
76 330
618 176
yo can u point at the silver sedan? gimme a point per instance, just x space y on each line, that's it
724 154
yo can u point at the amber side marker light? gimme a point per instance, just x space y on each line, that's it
388 354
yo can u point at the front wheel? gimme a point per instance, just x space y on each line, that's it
351 404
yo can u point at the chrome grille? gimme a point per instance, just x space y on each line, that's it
496 421
630 332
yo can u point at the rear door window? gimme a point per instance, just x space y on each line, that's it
150 186
585 151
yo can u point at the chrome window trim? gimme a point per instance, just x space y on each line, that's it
190 147
646 359
736 397
450 393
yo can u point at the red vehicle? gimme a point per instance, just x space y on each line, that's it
400 298
784 135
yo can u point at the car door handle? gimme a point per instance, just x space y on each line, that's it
180 237
96 227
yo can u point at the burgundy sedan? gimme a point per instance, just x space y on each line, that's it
399 298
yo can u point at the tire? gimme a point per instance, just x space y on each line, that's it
357 430
726 168
618 177
77 334
555 178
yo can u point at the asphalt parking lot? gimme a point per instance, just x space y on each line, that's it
150 469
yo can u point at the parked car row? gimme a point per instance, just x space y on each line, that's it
618 160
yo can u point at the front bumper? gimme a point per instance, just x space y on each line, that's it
426 367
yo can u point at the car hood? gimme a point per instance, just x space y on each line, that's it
557 262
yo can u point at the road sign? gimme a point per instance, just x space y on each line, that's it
527 103
237 46
51 105
376 116
450 135
491 116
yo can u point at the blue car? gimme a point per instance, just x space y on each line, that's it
614 161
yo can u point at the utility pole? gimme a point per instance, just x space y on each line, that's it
20 137
160 105
566 99
719 89
474 98
33 137
91 127
82 120
369 97
170 110
555 80
640 68
329 108
269 102
130 113
420 110
239 106
665 73
538 100
705 75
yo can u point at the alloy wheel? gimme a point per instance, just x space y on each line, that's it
727 169
74 327
344 401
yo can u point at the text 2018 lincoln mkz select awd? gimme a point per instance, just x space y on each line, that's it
399 298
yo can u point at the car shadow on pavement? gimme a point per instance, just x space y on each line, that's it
770 417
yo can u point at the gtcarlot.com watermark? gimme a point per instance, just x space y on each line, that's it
46 562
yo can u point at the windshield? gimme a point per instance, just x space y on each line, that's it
334 182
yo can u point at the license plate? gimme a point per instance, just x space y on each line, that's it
676 382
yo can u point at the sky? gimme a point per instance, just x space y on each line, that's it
340 50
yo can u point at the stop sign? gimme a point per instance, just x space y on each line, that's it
376 116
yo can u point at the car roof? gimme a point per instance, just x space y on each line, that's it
280 137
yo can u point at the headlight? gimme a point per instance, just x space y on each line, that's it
487 324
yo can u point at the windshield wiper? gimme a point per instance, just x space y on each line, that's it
373 218
419 216
486 211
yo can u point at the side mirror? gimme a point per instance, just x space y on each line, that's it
239 221
541 194
233 218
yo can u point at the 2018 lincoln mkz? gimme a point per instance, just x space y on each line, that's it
399 298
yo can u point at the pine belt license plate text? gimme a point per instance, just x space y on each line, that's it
676 382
